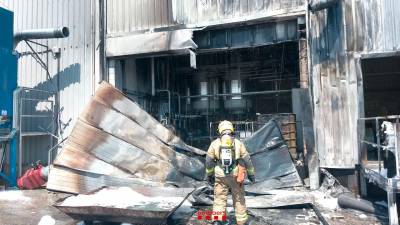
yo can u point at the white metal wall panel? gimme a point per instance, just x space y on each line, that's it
124 16
77 66
130 16
203 12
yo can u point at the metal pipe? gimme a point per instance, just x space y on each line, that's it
179 102
239 94
47 33
103 40
347 201
378 141
381 117
169 100
397 146
153 80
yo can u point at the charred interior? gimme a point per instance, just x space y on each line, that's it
241 85
381 78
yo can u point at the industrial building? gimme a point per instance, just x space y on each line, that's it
327 70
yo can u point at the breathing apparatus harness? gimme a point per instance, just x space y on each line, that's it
227 157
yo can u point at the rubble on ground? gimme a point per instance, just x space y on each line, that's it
122 147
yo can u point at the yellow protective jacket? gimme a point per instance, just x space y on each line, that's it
212 159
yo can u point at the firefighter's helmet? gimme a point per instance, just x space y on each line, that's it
225 126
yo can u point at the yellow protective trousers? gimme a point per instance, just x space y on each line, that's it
221 190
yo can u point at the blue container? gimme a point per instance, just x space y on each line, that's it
8 83
8 63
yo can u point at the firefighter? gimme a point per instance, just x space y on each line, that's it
224 158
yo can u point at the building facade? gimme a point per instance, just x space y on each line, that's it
193 62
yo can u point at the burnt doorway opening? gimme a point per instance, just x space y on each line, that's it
381 83
381 77
379 143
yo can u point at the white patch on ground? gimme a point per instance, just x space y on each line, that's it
47 220
325 200
13 196
122 197
362 216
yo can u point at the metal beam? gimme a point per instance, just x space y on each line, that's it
240 94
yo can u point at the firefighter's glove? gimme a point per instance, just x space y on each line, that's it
252 178
211 180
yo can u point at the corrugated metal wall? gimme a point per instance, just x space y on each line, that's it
376 25
124 16
76 67
204 12
127 16
338 36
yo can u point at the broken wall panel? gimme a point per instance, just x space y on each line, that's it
118 125
271 159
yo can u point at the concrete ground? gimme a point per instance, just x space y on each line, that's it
287 216
29 207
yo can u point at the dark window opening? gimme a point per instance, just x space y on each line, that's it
236 84
381 77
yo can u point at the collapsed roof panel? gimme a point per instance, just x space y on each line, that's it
74 181
87 162
116 143
118 125
114 99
